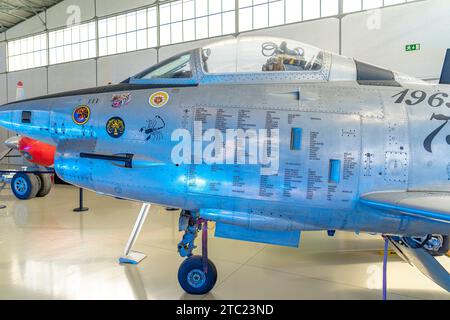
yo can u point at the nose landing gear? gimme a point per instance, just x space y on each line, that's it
420 252
435 244
197 274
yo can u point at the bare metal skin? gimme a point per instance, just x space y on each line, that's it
389 134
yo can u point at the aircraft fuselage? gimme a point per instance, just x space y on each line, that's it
336 141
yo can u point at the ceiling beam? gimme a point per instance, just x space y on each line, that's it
22 10
27 5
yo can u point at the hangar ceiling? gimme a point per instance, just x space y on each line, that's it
13 12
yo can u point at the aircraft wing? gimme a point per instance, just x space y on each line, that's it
423 205
426 205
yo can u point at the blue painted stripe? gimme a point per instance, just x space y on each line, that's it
296 139
409 211
335 171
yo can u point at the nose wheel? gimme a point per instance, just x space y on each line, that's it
193 278
197 274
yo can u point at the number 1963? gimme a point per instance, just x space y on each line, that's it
418 96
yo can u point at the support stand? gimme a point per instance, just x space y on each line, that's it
205 246
81 208
385 258
2 206
134 257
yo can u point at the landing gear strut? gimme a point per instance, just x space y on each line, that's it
420 252
434 244
197 274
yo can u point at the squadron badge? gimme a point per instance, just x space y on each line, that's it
81 115
120 100
159 99
115 127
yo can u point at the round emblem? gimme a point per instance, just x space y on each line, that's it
159 99
81 115
115 127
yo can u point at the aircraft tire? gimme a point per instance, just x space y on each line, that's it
25 186
46 184
193 279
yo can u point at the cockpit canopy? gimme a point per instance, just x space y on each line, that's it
239 55
247 59
178 67
260 55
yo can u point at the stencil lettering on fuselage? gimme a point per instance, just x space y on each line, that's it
302 175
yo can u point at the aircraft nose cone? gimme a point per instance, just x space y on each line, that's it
13 142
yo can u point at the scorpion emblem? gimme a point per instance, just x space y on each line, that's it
153 128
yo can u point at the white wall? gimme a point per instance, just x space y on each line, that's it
35 83
58 15
427 23
3 57
31 26
119 67
3 89
323 33
108 7
72 76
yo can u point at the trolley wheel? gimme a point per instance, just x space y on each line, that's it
46 184
192 277
25 186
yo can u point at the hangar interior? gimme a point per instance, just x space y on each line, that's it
50 252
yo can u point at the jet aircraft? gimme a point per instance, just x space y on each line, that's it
267 138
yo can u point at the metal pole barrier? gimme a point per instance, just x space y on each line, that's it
2 206
81 208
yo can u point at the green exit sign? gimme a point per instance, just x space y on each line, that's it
412 47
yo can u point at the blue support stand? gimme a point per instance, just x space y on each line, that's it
385 260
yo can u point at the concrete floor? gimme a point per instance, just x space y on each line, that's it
49 252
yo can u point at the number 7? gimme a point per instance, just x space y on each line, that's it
429 140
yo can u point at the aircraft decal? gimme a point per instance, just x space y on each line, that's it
435 100
93 101
115 127
429 140
159 99
81 115
153 128
418 96
120 100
